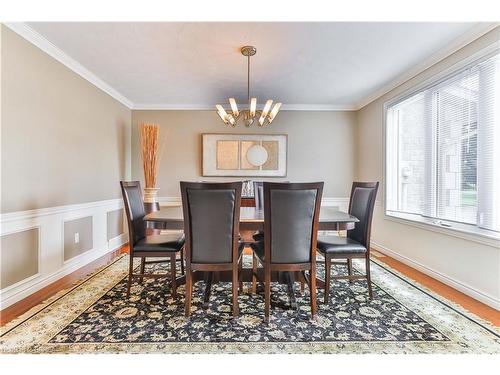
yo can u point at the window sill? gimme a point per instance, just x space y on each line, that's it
482 236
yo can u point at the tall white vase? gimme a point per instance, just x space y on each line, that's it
151 195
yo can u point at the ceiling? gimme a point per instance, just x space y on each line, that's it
196 65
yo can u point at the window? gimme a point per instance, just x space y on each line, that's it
443 150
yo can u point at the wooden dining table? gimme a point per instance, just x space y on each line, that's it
252 219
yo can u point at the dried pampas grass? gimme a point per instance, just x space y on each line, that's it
150 135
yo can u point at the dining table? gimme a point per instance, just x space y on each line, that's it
251 219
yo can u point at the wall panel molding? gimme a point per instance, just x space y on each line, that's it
38 252
66 224
50 222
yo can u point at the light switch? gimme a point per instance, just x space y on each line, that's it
77 237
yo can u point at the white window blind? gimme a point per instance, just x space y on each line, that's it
443 149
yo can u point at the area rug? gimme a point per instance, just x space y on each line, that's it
96 317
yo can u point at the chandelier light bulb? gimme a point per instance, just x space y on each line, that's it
265 111
231 119
274 112
253 106
222 113
234 107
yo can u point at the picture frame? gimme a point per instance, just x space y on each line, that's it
244 155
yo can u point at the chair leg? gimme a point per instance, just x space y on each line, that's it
189 292
173 274
240 275
130 270
143 267
254 274
349 269
312 287
368 276
235 284
267 293
182 261
328 270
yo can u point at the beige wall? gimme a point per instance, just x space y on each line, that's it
320 146
471 265
64 141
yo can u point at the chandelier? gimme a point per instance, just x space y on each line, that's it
264 116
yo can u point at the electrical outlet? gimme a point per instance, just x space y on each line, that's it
77 237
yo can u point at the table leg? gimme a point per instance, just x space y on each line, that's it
208 288
291 289
181 280
320 283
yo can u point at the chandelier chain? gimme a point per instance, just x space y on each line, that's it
248 80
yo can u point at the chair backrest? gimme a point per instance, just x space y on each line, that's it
134 208
211 221
291 214
361 205
258 193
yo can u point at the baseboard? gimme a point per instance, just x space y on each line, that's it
445 279
117 242
50 223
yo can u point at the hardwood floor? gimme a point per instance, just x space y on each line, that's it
480 309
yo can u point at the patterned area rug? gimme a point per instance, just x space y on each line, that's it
95 316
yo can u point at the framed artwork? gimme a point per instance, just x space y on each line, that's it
244 155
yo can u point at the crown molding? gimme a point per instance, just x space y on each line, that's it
466 38
211 107
319 107
49 48
172 107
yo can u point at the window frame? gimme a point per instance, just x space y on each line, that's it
466 231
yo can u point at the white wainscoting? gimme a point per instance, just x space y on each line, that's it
51 246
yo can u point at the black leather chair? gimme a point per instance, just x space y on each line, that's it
211 223
144 246
291 214
357 242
